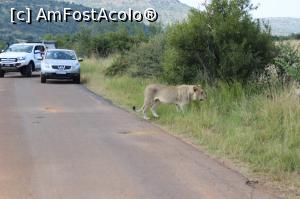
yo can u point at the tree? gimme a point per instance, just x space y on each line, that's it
222 42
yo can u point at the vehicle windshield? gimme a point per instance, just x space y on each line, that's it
20 48
64 55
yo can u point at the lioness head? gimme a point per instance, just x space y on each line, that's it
198 93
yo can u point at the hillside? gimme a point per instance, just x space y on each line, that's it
169 10
282 26
173 10
10 32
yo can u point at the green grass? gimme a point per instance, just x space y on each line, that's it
255 131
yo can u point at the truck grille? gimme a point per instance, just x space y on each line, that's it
61 67
8 60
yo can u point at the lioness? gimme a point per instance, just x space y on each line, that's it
178 95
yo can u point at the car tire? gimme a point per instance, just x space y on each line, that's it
2 73
77 80
22 71
28 70
43 79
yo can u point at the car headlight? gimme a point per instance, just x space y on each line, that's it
46 65
21 58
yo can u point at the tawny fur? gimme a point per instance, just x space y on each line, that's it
178 95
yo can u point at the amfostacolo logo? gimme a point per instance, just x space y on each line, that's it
26 15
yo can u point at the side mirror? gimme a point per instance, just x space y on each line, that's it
80 59
37 51
2 51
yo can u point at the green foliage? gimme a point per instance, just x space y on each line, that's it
124 39
223 42
288 62
120 41
143 60
2 45
119 66
88 43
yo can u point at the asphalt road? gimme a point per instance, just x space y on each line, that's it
59 141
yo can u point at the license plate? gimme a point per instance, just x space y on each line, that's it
61 72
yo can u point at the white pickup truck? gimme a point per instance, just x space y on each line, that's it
22 57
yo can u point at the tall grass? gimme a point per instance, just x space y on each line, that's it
234 122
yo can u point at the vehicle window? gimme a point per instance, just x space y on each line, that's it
66 55
40 48
19 48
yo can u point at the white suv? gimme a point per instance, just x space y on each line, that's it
23 57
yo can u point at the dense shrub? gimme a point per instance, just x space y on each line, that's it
143 60
288 62
223 42
88 43
119 66
146 58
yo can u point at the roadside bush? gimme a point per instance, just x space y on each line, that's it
119 66
143 60
146 58
102 46
223 42
288 62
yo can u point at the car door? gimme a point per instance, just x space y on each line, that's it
38 54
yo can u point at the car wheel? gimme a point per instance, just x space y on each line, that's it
77 80
23 71
43 79
28 70
2 73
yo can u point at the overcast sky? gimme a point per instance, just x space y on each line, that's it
267 8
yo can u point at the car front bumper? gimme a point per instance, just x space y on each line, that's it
60 74
12 67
